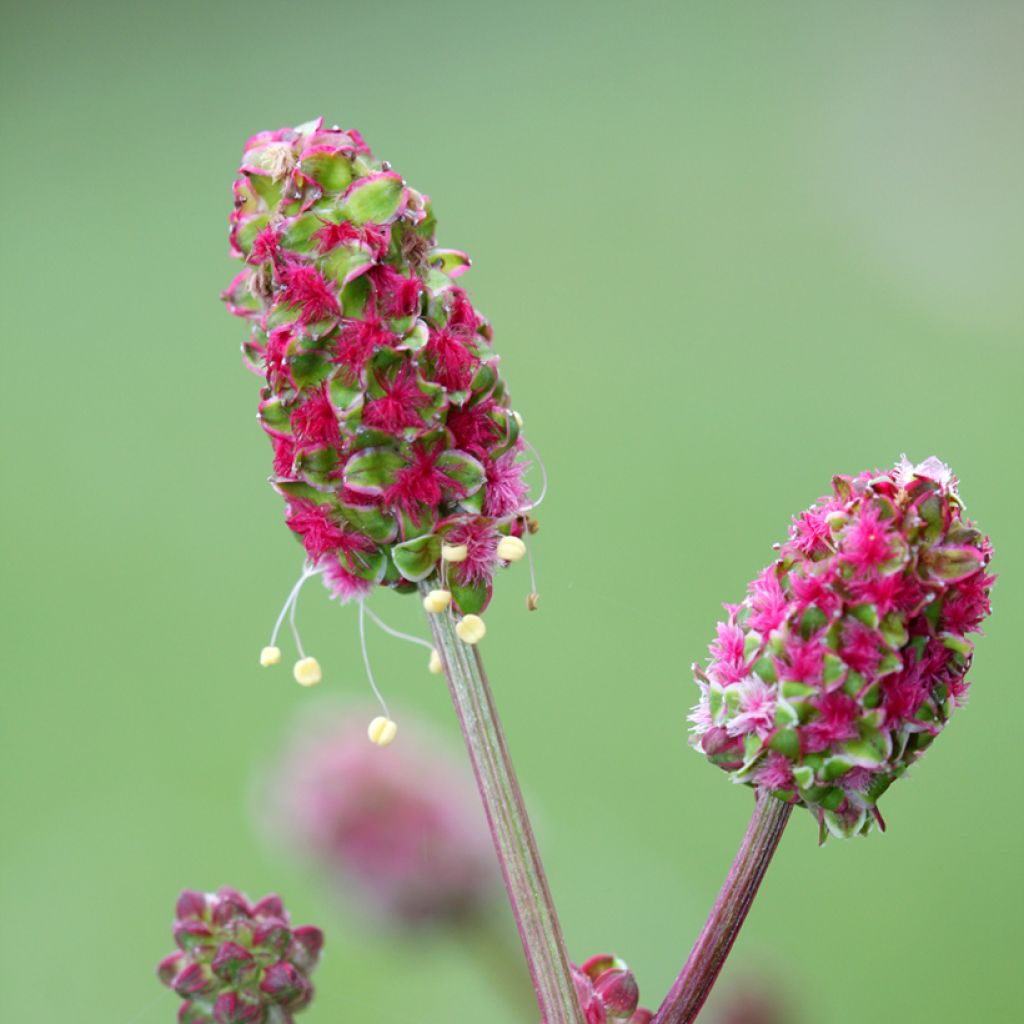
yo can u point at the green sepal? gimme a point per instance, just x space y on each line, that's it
367 565
894 630
416 559
450 261
376 199
247 231
317 465
354 296
803 776
344 263
268 190
310 369
331 171
786 742
866 613
372 470
463 469
299 491
274 416
341 392
836 767
298 236
371 521
833 669
473 502
790 688
472 599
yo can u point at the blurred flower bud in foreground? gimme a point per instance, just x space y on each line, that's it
400 831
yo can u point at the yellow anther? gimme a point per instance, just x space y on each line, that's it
382 731
435 665
454 552
471 629
518 419
270 656
511 549
532 601
436 601
307 672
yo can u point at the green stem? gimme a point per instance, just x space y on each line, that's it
514 841
708 955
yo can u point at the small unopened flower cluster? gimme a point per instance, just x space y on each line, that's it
849 653
395 446
237 962
608 992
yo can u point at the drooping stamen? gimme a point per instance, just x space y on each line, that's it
543 478
307 571
366 659
398 634
533 597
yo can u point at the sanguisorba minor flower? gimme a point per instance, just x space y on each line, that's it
403 835
395 446
850 652
238 962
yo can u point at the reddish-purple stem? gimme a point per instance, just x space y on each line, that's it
708 955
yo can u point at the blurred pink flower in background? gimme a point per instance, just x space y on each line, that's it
399 830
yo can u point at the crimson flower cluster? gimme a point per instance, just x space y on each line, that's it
850 652
238 962
391 427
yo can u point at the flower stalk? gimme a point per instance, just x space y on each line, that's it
513 837
735 898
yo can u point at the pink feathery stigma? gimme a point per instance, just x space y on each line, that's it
850 653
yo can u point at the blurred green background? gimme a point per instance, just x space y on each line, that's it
728 249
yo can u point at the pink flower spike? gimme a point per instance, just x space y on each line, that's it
850 653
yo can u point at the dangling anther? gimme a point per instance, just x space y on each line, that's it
471 629
454 552
511 549
436 601
270 656
382 731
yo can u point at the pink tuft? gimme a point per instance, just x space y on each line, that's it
341 583
265 246
306 289
454 363
481 540
756 709
867 544
315 422
357 342
505 493
313 523
400 405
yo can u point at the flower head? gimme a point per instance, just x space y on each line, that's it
401 832
382 398
849 653
238 962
